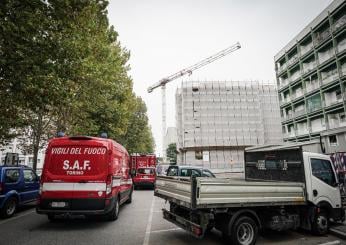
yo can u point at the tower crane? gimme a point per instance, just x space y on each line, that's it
186 71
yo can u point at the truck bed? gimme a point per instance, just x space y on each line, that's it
199 193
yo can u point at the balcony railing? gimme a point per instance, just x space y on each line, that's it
322 57
290 134
281 68
329 102
314 108
299 113
343 69
309 66
306 48
297 94
292 60
287 116
336 123
340 23
341 46
283 83
312 86
321 36
328 77
302 131
295 76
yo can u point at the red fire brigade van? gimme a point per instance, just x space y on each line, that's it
143 169
85 175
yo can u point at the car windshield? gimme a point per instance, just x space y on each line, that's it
145 171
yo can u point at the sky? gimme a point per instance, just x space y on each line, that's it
165 36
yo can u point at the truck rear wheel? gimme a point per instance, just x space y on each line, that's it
320 225
244 231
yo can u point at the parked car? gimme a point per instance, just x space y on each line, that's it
85 176
187 171
19 185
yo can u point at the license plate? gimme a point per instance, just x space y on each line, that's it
58 204
145 177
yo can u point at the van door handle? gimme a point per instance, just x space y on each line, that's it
315 192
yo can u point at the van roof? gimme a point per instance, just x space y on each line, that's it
62 140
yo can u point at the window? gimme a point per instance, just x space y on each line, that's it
172 172
207 173
189 172
29 176
323 170
146 171
333 140
12 175
199 155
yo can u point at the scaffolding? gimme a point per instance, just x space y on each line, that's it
216 121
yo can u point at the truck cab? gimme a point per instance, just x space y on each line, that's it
322 185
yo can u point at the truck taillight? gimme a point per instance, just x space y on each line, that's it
109 184
1 187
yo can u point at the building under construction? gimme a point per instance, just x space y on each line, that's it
216 121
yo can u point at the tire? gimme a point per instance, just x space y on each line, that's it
114 214
244 231
129 200
320 225
9 207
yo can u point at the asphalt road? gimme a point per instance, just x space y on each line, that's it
139 223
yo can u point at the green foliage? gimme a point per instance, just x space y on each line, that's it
62 68
138 137
171 153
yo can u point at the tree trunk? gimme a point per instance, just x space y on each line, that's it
37 133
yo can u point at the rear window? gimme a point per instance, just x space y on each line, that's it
172 172
12 176
146 171
78 160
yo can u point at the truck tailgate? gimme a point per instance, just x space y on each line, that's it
215 192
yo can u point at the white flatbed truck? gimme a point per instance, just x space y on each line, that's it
284 188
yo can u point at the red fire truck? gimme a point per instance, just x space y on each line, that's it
143 169
85 175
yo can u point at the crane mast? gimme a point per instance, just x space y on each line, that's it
186 71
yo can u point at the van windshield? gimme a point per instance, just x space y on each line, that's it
146 171
78 160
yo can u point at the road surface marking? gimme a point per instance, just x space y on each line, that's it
173 229
16 217
150 219
331 243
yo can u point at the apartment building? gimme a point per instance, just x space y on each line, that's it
311 79
24 158
216 121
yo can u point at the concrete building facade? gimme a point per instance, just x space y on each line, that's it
216 121
311 79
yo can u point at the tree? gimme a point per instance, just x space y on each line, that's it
63 69
138 137
171 153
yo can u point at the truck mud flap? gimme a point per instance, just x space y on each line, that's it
193 228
